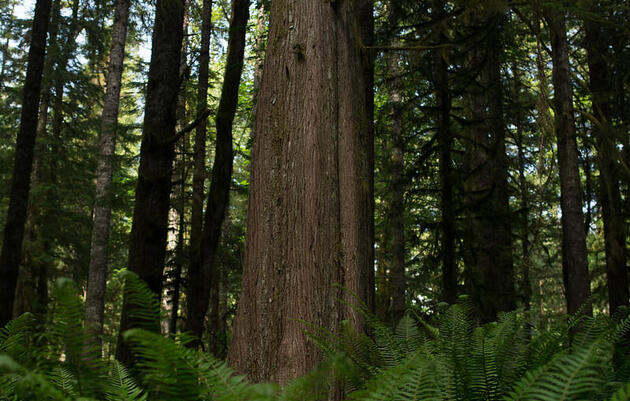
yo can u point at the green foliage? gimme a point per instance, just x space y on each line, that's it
446 360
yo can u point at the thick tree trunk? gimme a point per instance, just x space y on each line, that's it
147 242
201 271
607 159
310 202
97 274
574 257
23 163
489 241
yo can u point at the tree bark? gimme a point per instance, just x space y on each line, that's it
310 202
23 163
199 169
201 271
607 159
397 207
574 256
150 219
97 273
526 287
445 143
177 213
490 273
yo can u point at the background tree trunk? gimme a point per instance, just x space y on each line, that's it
201 274
97 274
23 163
489 250
150 219
199 158
313 136
607 159
445 143
574 257
397 207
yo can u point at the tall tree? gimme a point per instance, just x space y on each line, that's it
490 273
445 144
147 243
199 158
310 200
23 163
601 89
574 257
201 271
97 274
396 223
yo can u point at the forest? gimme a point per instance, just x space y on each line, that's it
315 200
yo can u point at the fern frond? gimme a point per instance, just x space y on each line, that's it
572 376
623 394
167 370
15 338
121 386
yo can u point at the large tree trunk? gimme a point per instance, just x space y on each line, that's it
489 241
607 158
23 164
97 274
201 271
147 242
574 257
310 202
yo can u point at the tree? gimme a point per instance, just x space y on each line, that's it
600 86
574 257
445 143
201 271
23 163
489 239
147 242
97 274
199 159
309 220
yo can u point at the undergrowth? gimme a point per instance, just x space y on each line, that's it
452 359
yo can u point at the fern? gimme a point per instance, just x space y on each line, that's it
121 386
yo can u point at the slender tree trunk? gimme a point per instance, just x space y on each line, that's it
196 221
177 221
32 253
397 207
574 257
607 159
490 273
310 201
201 274
97 274
23 163
445 141
526 286
150 219
261 24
